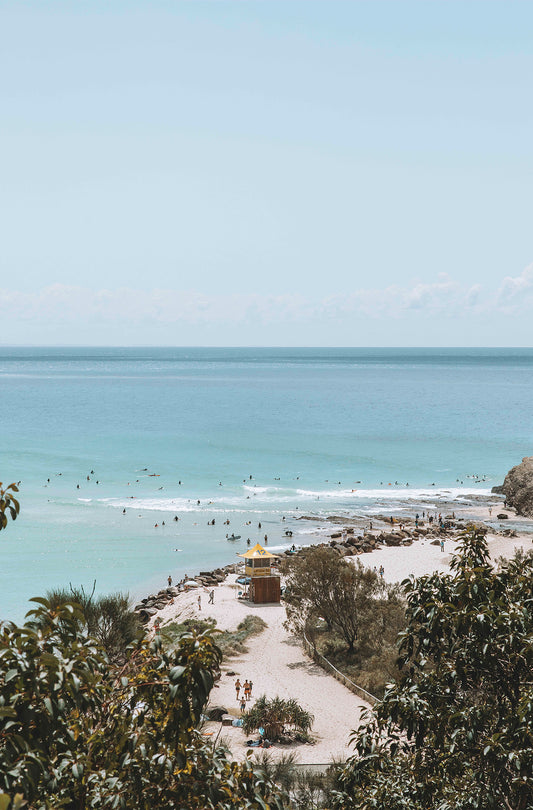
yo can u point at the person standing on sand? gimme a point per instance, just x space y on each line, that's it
250 687
211 597
243 705
237 687
169 580
246 687
199 601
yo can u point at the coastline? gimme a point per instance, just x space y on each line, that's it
276 662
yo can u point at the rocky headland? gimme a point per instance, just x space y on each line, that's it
518 487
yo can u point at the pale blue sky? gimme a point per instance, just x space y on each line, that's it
266 173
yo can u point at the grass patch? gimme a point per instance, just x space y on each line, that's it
231 643
371 669
171 633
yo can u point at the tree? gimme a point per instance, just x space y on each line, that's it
109 618
351 599
9 505
77 732
275 715
456 730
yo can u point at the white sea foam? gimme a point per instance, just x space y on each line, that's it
371 501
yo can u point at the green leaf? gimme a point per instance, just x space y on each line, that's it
77 770
176 673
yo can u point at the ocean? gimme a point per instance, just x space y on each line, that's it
241 435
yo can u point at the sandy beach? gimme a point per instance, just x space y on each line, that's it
277 664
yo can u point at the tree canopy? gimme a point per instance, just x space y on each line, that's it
77 732
352 600
456 729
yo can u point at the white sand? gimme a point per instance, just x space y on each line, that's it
277 665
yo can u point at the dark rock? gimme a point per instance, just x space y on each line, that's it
352 541
215 712
148 612
518 487
335 535
502 516
497 490
392 540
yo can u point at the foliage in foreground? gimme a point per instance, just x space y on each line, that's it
9 505
456 731
77 733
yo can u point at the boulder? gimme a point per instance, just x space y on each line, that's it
392 540
215 712
502 516
518 487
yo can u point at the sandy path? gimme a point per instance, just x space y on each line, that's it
278 667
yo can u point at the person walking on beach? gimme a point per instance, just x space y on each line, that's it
381 571
199 601
243 705
211 598
169 580
250 687
442 545
246 687
237 687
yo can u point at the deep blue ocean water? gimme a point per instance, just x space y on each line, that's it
447 422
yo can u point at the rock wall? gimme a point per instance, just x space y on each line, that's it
518 487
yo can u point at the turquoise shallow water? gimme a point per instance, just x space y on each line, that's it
299 421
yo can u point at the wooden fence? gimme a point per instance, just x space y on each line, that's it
328 666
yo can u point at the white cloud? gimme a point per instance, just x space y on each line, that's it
515 291
64 305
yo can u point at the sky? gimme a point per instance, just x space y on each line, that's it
274 172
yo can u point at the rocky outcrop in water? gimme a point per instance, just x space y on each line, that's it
518 487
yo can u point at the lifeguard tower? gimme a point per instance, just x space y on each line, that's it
264 585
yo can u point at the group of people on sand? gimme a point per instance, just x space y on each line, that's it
246 687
